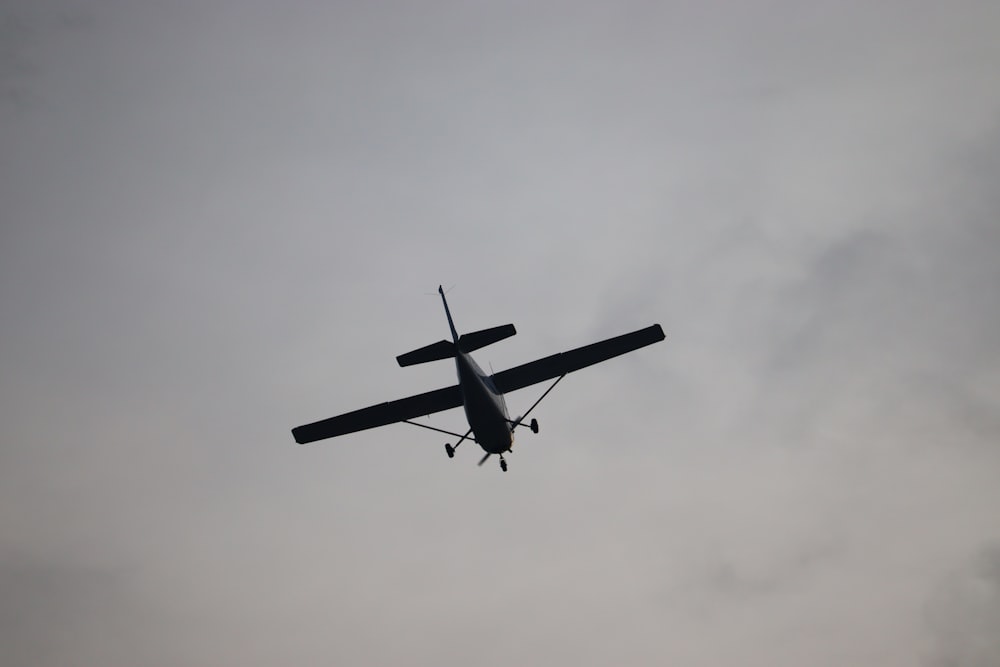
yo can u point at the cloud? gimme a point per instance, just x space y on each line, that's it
62 608
964 614
221 222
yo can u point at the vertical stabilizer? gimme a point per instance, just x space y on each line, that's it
454 334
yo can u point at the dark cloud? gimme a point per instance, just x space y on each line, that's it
28 31
17 33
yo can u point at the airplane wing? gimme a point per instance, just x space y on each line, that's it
546 368
380 415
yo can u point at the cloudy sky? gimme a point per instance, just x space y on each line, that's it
222 219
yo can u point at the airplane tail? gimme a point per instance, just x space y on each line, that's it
471 342
451 325
445 349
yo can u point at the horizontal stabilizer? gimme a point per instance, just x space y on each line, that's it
442 349
473 341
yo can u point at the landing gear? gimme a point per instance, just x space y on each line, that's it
533 424
503 461
449 450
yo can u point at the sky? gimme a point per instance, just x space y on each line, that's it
220 220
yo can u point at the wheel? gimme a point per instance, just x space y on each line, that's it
534 426
503 465
450 450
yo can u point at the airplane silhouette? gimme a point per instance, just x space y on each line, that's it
481 394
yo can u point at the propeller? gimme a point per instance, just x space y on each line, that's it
483 460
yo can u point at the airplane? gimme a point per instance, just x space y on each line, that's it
481 394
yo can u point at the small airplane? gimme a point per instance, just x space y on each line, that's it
481 395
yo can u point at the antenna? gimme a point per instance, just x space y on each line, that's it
435 292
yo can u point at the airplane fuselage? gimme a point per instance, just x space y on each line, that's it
485 408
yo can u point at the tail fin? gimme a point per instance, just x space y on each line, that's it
454 334
444 349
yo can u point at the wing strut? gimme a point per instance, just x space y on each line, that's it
520 419
439 430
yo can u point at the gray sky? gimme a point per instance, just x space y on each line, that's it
219 220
